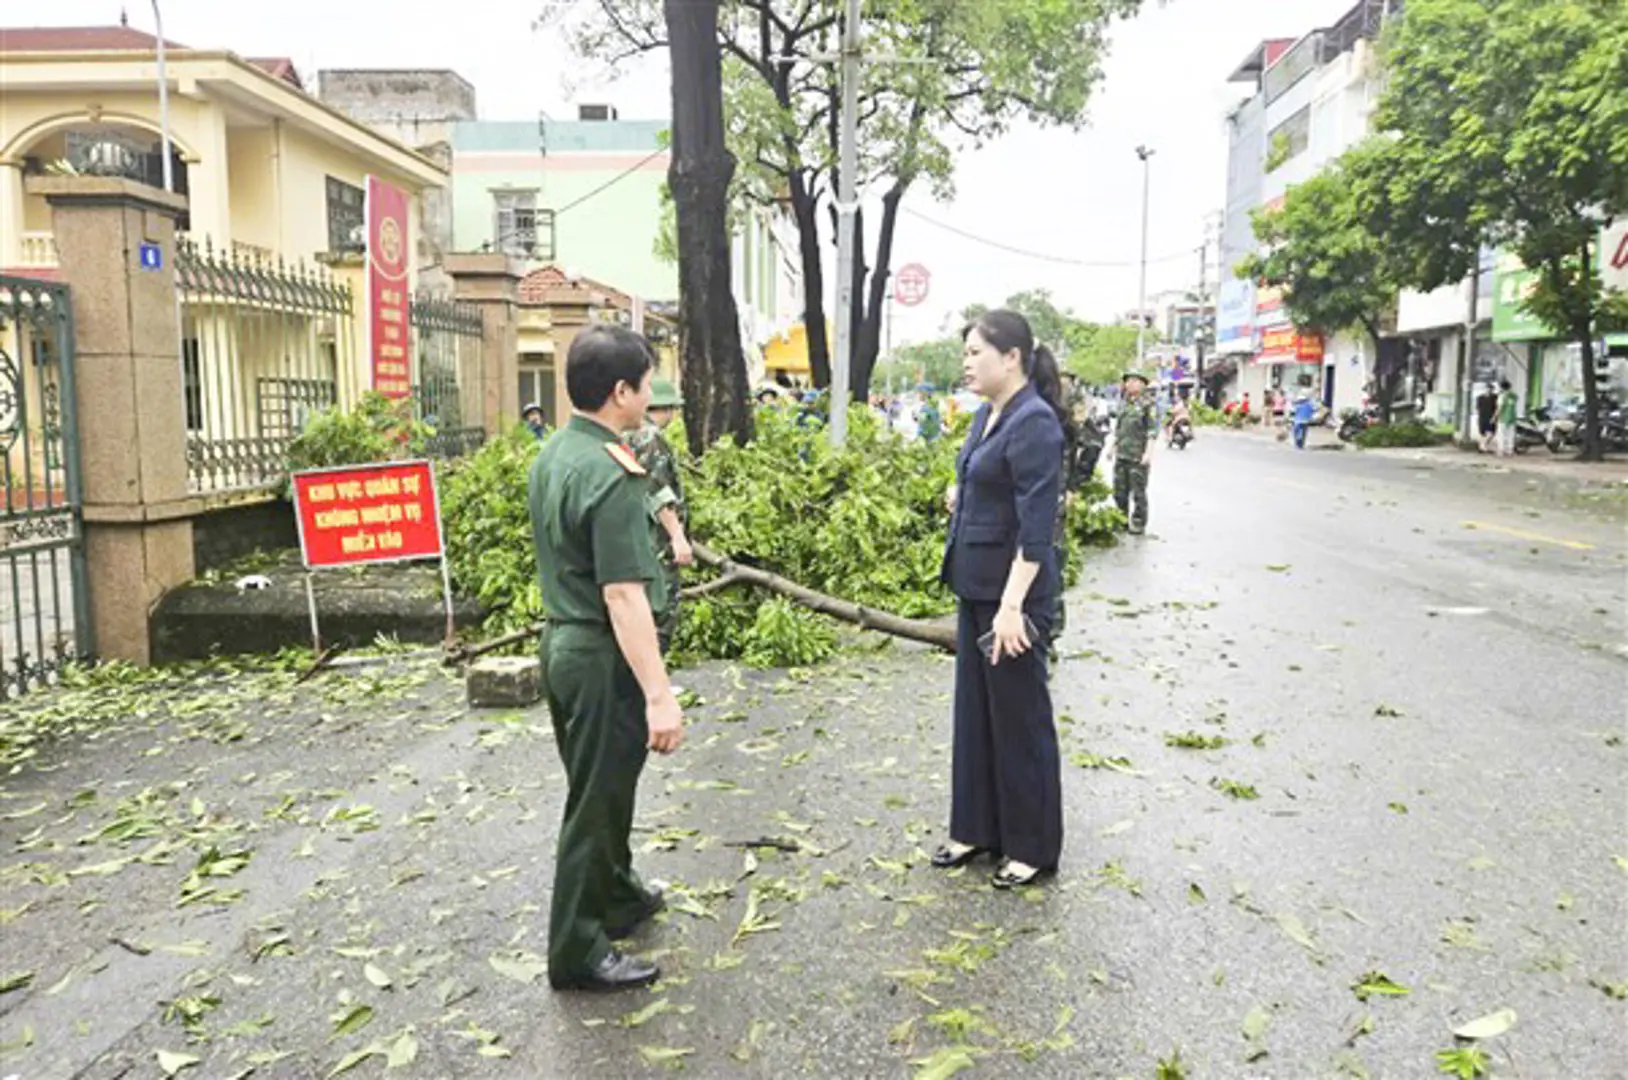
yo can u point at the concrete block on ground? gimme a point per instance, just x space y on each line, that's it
504 681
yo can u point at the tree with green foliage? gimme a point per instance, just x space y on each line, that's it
1100 353
1097 353
948 74
1336 273
936 363
1506 124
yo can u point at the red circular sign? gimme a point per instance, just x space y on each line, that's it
910 284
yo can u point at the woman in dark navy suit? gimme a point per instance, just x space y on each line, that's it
1001 563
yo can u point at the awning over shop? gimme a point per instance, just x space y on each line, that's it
787 353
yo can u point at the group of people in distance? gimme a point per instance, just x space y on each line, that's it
603 519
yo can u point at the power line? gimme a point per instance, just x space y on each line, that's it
1062 260
623 175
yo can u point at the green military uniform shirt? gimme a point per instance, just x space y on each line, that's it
590 521
1136 428
650 446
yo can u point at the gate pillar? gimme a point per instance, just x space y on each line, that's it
116 248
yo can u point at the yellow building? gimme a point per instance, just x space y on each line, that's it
274 181
268 169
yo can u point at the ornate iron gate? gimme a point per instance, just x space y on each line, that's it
447 362
44 608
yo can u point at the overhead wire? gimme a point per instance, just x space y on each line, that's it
623 175
1061 260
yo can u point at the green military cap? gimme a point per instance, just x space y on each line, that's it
1134 375
664 395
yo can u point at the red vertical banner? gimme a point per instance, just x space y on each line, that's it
387 253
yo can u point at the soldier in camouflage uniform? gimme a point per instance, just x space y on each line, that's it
669 513
1082 444
1134 435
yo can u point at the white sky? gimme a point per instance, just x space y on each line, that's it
1055 192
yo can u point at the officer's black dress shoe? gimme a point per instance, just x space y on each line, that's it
655 904
617 971
948 858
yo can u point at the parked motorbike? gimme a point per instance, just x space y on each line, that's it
1565 427
1356 421
1529 432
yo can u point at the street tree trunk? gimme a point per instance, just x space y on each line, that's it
1387 371
716 393
806 214
868 347
1592 450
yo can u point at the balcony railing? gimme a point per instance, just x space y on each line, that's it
39 249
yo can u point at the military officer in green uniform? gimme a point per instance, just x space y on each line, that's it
669 513
606 685
1135 432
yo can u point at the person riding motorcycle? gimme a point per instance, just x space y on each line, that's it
1180 419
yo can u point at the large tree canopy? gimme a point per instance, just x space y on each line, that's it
1096 352
1507 125
947 74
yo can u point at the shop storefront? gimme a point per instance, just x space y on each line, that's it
1545 369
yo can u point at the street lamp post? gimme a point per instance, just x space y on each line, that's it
847 197
163 101
1142 287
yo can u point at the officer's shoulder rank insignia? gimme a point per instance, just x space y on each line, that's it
624 457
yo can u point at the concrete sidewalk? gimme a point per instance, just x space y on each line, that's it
1536 463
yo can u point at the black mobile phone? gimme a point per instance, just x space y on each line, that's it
986 642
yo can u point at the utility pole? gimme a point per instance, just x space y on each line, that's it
1142 287
847 199
164 101
1472 319
1203 303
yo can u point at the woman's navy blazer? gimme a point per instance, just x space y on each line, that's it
1008 483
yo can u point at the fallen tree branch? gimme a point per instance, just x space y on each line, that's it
735 574
695 592
863 617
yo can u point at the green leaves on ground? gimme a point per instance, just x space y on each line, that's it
670 1057
1171 1068
1377 983
1192 740
1232 789
522 967
1466 1063
351 1020
943 1063
1085 759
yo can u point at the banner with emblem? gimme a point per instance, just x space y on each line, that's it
388 252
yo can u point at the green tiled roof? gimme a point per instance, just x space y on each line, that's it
563 136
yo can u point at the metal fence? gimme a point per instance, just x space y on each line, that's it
448 358
44 612
264 347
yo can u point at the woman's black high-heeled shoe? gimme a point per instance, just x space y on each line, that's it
1004 878
947 858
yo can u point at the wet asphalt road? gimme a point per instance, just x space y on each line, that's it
1418 673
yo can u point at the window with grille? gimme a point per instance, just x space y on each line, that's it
519 228
347 222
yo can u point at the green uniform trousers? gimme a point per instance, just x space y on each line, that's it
599 725
1131 491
